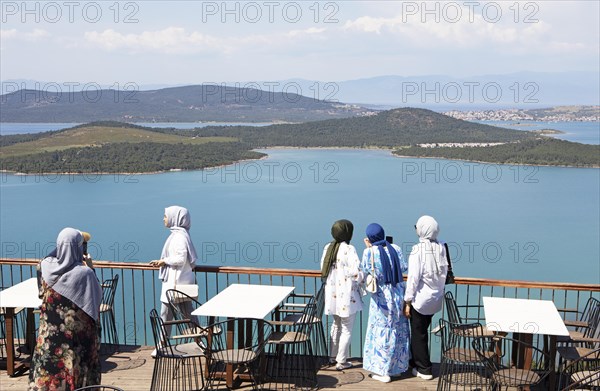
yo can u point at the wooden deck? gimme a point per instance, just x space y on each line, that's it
131 370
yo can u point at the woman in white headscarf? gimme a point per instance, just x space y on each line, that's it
66 356
178 256
424 296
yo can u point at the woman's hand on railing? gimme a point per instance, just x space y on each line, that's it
157 263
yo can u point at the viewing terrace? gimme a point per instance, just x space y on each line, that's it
130 366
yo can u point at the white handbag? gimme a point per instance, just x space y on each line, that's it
371 283
190 290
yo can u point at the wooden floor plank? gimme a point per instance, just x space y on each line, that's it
131 370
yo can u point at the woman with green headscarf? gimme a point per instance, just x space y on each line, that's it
340 269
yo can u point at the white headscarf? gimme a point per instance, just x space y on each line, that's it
179 222
432 254
65 273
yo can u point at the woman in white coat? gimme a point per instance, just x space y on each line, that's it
178 256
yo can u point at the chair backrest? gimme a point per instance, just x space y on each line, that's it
251 335
320 301
591 315
180 303
581 373
513 353
109 288
452 308
161 339
459 335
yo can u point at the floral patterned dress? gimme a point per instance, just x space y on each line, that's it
342 290
387 341
66 356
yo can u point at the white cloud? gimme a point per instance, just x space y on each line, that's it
8 34
177 40
32 36
168 40
313 32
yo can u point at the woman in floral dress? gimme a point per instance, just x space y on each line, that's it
386 349
66 355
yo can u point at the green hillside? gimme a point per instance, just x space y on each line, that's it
89 136
540 151
121 147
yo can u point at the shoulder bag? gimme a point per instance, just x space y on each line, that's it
371 283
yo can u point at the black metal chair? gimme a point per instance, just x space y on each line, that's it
176 366
182 306
582 373
454 316
292 360
587 327
532 370
241 349
107 315
293 310
461 368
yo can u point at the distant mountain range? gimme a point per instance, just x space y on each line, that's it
525 90
177 104
443 93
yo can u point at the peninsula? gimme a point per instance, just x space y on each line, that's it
111 147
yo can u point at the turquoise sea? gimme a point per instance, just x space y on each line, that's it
506 222
579 132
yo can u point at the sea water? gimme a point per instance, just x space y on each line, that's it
501 221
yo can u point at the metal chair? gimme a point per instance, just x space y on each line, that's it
176 366
461 368
107 313
586 327
454 316
182 306
293 363
293 310
246 356
585 339
582 373
532 368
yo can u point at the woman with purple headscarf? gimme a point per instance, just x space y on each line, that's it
178 256
386 349
66 356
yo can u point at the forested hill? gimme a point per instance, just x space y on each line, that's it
391 128
177 104
118 147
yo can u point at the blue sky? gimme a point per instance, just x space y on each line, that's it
162 42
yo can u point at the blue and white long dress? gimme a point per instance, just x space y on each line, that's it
387 342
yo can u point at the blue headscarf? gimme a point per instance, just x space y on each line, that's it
392 272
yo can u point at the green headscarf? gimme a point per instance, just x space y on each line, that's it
341 232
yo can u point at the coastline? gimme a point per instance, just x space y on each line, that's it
494 163
389 150
129 173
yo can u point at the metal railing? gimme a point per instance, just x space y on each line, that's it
138 292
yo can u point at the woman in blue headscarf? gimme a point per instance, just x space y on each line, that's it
386 349
178 256
66 354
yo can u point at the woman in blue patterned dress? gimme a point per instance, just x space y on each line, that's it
386 350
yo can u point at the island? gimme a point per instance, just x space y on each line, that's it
111 147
